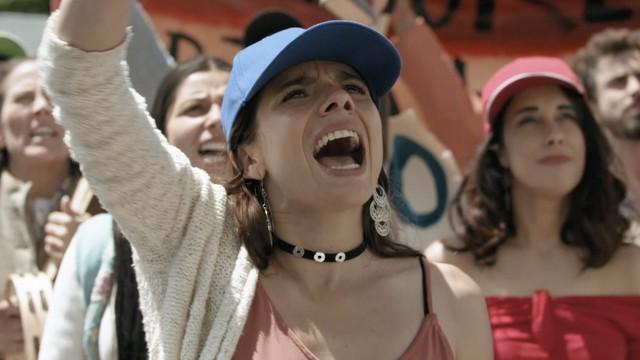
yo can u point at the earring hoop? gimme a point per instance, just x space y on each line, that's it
266 207
380 211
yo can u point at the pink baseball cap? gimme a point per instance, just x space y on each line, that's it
520 74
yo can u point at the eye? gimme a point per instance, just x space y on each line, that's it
618 82
355 89
571 116
25 97
294 94
526 120
195 109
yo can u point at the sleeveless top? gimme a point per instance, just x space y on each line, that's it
566 327
267 336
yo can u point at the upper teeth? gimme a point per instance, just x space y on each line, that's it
339 134
43 131
213 147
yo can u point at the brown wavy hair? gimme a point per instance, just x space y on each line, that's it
246 202
593 224
604 43
610 42
166 93
6 68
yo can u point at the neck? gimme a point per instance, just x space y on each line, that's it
328 232
632 179
325 231
629 166
45 177
539 219
633 189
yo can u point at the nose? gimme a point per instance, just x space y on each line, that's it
41 105
633 85
213 117
555 134
339 100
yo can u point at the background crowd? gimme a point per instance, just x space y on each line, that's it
541 208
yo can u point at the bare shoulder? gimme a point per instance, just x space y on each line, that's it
630 252
441 251
633 234
438 251
625 264
461 310
449 280
627 258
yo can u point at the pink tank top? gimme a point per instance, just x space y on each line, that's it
267 336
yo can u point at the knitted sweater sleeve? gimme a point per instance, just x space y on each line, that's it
195 281
148 185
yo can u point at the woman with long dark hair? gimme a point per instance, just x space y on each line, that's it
295 257
541 229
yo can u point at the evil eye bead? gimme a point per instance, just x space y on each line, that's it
298 251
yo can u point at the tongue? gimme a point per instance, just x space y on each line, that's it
337 162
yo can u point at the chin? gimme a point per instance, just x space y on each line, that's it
47 155
558 189
213 169
346 197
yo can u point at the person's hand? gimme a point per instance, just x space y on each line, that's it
11 340
60 227
403 17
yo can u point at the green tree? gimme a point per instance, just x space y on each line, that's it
27 6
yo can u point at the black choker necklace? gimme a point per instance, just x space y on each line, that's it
318 256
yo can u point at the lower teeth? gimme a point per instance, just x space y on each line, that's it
345 167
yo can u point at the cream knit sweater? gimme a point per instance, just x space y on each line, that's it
196 281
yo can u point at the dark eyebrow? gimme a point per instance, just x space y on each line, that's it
198 96
299 80
526 109
347 75
567 107
305 80
190 99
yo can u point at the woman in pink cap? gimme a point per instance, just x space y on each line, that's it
542 234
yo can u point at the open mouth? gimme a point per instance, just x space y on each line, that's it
339 150
44 132
213 150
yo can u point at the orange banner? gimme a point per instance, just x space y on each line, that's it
471 27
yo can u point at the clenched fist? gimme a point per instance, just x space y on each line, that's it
60 227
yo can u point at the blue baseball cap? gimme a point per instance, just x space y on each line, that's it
359 46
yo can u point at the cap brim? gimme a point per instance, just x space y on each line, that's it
515 85
351 43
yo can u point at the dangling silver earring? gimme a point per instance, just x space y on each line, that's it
267 212
380 211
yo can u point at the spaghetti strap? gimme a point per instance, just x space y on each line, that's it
426 290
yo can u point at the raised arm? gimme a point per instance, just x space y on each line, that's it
148 185
93 25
